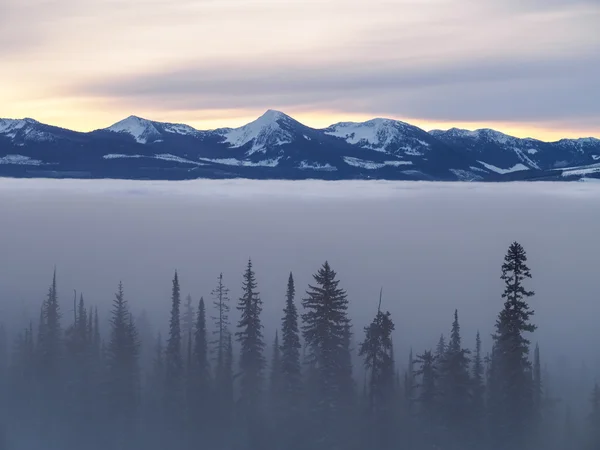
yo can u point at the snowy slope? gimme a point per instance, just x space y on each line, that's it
277 146
266 131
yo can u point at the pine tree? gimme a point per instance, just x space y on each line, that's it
122 359
478 394
290 349
428 399
440 350
174 360
326 333
455 389
201 350
377 351
275 379
50 338
511 388
188 321
223 373
250 337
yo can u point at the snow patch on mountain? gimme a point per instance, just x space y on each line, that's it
370 165
316 166
266 131
375 134
142 130
237 162
27 128
515 168
20 160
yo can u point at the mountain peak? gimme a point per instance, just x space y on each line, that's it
262 132
142 130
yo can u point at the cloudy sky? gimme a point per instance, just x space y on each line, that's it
529 67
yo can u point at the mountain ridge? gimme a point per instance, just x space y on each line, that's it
275 145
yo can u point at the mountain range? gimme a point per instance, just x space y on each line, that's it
276 146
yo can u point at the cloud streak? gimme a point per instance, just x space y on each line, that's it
532 61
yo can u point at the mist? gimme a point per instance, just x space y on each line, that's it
430 247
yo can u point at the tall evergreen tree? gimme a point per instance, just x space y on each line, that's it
290 348
428 399
173 359
537 387
377 351
223 371
511 389
122 359
326 333
50 338
455 389
250 337
188 321
275 379
201 350
478 382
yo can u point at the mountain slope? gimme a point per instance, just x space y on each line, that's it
277 146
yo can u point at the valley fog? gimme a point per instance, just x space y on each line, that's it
432 247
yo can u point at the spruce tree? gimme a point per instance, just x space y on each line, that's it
188 321
455 390
122 359
223 371
290 349
201 350
478 394
537 387
174 360
326 333
428 399
250 337
377 351
275 379
50 338
511 388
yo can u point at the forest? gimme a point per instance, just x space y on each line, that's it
72 381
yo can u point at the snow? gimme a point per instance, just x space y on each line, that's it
465 175
142 130
20 160
515 168
524 158
375 134
118 155
411 151
178 128
306 137
264 131
161 156
236 162
169 157
370 165
595 157
532 151
10 128
316 166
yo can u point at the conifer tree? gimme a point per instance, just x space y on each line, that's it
326 333
122 359
478 393
250 337
511 385
223 372
201 350
50 335
290 348
275 379
188 321
537 387
440 350
455 390
377 351
428 399
173 359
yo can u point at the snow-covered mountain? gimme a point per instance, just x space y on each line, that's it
277 146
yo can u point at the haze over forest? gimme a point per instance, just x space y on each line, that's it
432 247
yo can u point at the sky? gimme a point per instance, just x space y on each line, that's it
432 247
526 67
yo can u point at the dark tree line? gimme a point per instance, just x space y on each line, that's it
84 386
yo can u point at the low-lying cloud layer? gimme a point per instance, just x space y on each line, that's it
433 247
